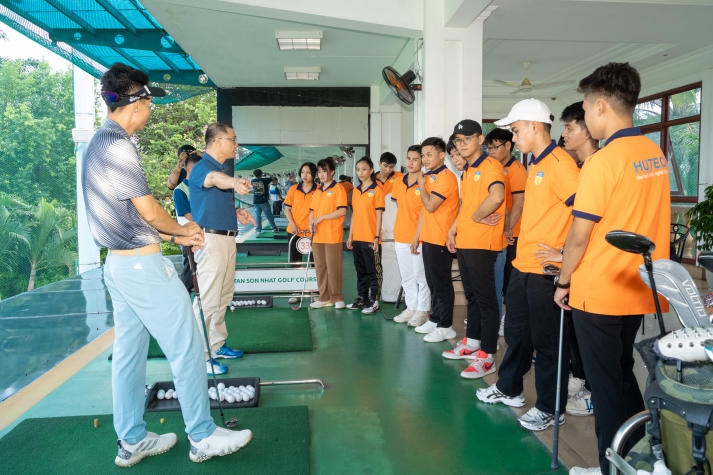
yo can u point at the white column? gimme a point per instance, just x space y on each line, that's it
705 159
84 115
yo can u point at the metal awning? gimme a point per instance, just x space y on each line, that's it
93 34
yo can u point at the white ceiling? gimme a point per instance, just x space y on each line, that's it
234 41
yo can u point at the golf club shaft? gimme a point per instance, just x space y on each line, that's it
192 265
304 284
555 438
650 271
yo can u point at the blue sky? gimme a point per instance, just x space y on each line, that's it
15 46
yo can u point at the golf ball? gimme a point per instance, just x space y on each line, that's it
221 386
229 398
169 394
160 394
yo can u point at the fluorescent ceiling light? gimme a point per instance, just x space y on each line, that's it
304 73
299 40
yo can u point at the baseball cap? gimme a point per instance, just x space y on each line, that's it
117 99
528 109
467 127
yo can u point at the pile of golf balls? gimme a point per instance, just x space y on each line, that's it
231 394
167 394
246 303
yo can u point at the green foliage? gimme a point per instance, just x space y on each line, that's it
36 117
701 223
170 126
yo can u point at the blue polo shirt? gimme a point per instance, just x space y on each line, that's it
212 208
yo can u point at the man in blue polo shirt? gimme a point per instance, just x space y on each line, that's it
147 297
212 203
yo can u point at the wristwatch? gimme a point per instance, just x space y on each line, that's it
559 284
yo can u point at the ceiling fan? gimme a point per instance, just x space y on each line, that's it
525 85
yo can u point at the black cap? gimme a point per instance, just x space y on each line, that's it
467 127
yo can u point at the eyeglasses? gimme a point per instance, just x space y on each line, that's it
232 139
492 148
463 140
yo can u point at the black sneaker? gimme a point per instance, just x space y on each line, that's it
358 304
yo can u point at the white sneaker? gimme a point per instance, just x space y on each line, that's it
220 442
373 308
152 444
537 420
492 395
501 328
440 334
404 316
483 365
580 404
574 385
585 471
418 319
320 304
461 352
339 305
427 327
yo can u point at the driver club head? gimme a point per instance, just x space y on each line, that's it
630 242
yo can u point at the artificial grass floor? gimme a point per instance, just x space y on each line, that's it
280 445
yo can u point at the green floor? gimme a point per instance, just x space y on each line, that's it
392 405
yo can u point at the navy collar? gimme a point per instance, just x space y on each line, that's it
214 163
630 132
321 187
405 180
545 152
373 185
512 159
390 175
477 161
437 170
300 188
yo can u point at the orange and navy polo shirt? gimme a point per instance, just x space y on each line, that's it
299 203
324 201
388 185
365 204
475 184
408 200
515 179
546 215
625 185
444 184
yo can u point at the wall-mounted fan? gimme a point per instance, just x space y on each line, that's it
525 85
401 85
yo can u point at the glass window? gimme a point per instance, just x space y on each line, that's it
682 152
648 112
684 104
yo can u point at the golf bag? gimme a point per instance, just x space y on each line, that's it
678 396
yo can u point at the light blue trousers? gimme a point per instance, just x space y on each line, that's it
149 298
499 277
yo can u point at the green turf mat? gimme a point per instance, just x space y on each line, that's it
280 445
262 330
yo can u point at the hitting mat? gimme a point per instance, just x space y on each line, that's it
262 330
280 445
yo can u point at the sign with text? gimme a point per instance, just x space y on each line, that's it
274 280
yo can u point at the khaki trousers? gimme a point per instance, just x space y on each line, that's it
328 266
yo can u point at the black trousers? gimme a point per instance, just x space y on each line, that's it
606 344
186 274
532 324
365 265
510 256
437 262
477 272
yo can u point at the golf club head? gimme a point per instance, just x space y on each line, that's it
705 260
630 242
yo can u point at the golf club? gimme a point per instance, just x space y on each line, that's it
297 306
638 244
192 263
556 434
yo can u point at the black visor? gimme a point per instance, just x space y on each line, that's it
118 100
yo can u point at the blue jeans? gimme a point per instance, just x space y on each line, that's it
260 208
499 277
149 299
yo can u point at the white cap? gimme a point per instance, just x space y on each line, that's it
531 110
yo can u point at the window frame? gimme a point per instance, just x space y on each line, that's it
663 126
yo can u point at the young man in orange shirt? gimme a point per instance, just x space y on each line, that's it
439 194
477 237
532 320
387 267
625 185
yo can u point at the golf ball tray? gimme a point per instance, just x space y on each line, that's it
263 301
162 395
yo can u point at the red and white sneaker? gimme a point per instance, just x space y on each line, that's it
481 366
461 352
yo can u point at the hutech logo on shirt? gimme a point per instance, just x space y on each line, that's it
433 178
370 194
330 193
417 192
650 167
476 176
539 177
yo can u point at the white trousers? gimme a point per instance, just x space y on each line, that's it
391 278
413 278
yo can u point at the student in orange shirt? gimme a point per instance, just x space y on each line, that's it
387 269
364 236
477 238
407 237
297 203
327 210
439 194
532 320
625 185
